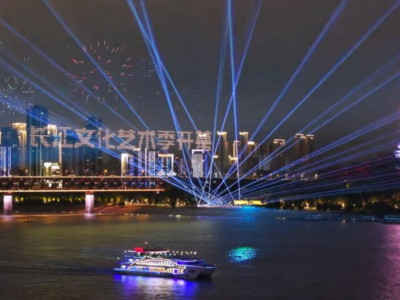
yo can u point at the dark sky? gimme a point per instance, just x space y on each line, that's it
188 36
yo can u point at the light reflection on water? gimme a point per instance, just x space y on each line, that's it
242 254
73 257
141 285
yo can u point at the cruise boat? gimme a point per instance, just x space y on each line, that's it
164 263
391 219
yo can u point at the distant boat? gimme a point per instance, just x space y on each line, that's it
363 219
309 218
391 219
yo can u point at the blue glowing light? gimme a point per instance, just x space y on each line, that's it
242 254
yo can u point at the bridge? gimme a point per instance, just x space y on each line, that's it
76 184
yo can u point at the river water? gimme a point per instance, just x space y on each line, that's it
257 257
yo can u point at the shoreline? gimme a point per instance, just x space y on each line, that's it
147 210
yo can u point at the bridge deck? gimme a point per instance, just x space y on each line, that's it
80 184
80 191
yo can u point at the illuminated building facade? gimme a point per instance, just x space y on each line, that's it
165 164
5 161
197 163
54 146
151 162
92 155
127 164
304 146
22 143
180 167
9 139
36 124
234 159
223 154
279 160
243 139
264 162
51 169
252 161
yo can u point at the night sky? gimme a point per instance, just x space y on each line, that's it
188 35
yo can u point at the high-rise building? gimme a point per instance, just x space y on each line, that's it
310 141
22 141
252 161
304 146
9 138
213 169
131 163
70 155
243 151
180 167
36 119
236 148
165 164
151 160
139 162
278 161
5 161
54 151
197 163
223 154
127 164
264 161
234 159
207 163
93 156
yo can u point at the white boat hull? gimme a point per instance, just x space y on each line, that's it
191 272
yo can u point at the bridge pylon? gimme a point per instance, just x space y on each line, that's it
7 204
89 202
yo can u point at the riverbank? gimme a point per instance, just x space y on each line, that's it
192 211
161 210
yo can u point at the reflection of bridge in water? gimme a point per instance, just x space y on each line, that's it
76 184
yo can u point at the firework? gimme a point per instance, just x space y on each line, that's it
15 95
115 64
146 68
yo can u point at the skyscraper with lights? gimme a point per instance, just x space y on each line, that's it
36 120
22 141
197 163
222 154
304 146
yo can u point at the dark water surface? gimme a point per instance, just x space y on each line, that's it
257 257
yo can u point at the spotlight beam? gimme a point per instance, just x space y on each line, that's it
332 163
99 68
366 95
160 71
59 68
238 73
327 75
371 127
148 35
332 21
